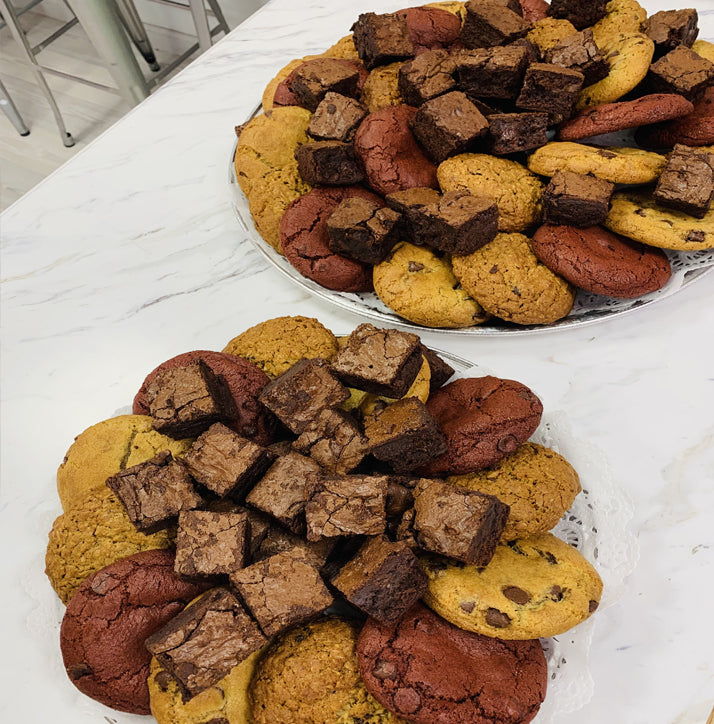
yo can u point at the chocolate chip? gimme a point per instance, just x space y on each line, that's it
467 606
163 679
407 701
218 720
695 235
497 618
548 557
593 606
641 212
508 444
415 266
384 670
517 595
77 671
517 291
494 269
556 593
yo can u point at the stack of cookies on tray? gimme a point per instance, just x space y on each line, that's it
449 157
303 528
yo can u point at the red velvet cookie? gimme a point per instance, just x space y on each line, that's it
303 235
109 618
429 671
245 381
431 28
483 419
612 117
601 262
534 9
389 153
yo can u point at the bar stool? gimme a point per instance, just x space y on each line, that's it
10 110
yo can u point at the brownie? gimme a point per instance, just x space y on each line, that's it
210 544
681 71
513 5
226 463
687 182
381 39
311 81
407 203
488 23
259 524
279 540
457 223
441 371
516 132
383 580
493 72
334 440
285 488
573 199
533 52
185 401
458 523
448 125
155 492
580 52
670 28
205 641
429 75
336 118
300 393
383 361
328 163
550 89
404 530
399 496
363 230
580 13
404 435
347 505
283 590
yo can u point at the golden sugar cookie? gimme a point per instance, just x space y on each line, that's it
705 49
622 17
549 32
381 89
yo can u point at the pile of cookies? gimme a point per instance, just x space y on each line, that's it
436 156
305 528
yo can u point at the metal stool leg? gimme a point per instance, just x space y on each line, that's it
11 112
8 13
216 8
137 32
200 20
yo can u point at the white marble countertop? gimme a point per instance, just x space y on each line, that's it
130 254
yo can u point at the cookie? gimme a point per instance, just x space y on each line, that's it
600 262
704 48
421 287
629 57
695 129
514 188
538 484
109 618
626 114
391 157
431 28
636 216
507 280
534 10
310 674
304 239
277 344
106 448
245 381
548 32
533 587
430 671
94 533
452 6
483 419
617 165
381 89
621 16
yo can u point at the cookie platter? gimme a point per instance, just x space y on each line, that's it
294 171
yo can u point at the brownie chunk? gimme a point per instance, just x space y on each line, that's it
458 223
211 544
185 401
441 371
516 132
285 488
429 75
282 591
581 14
155 492
363 230
687 182
279 540
405 435
347 505
407 203
399 495
670 28
314 79
383 580
383 361
336 118
381 39
448 125
573 199
488 23
300 393
328 163
681 71
550 89
492 73
580 52
258 524
458 523
205 641
226 463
